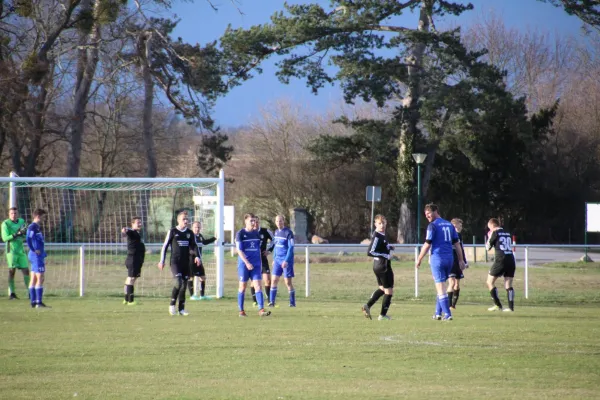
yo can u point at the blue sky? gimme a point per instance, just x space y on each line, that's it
200 24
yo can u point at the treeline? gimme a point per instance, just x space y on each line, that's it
525 149
509 119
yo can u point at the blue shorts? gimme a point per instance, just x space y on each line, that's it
38 265
278 270
440 268
244 273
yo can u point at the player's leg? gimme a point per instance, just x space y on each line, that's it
450 290
11 276
266 276
276 275
493 274
22 263
183 290
39 285
440 268
509 274
253 293
32 284
177 285
243 276
288 275
202 286
388 290
456 291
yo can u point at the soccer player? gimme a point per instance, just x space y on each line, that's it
265 236
283 260
198 270
37 257
249 264
456 274
441 238
379 249
182 242
13 233
504 265
136 251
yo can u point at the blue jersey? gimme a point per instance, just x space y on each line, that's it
249 243
284 245
35 241
441 235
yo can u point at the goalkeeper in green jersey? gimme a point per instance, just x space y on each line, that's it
13 235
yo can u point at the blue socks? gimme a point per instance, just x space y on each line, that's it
260 299
293 298
32 296
241 300
273 295
438 306
444 304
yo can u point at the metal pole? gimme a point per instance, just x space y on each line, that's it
474 250
307 273
12 192
81 270
416 272
585 258
372 207
220 233
526 272
418 203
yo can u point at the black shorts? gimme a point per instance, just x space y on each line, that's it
266 268
383 272
456 272
134 269
196 270
181 269
505 268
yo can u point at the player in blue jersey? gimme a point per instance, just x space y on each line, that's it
249 264
37 258
283 260
441 238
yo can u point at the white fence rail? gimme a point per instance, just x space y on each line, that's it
526 255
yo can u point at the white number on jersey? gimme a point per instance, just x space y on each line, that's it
447 235
505 244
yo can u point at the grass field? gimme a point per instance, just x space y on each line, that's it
96 348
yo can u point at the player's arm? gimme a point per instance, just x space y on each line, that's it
491 241
7 235
429 236
240 251
289 256
271 245
165 246
207 241
195 250
32 242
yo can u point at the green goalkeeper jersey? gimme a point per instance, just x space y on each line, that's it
14 244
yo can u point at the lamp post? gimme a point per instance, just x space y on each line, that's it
419 159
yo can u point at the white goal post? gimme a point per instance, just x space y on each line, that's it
86 252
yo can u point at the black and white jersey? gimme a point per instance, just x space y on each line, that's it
455 256
379 246
265 236
183 244
501 242
200 242
136 249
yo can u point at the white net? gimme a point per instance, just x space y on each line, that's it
83 231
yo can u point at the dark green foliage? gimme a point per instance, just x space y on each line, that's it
213 153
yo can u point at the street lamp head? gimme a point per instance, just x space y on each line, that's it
419 157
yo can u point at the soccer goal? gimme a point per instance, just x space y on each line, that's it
86 253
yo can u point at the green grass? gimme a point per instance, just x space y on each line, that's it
96 348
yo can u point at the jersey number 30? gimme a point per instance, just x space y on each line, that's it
505 243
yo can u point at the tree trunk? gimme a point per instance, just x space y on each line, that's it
409 131
87 62
145 52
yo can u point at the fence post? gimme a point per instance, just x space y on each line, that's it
474 250
526 272
81 270
307 272
485 248
416 272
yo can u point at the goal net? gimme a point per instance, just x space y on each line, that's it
86 252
